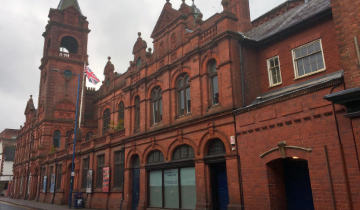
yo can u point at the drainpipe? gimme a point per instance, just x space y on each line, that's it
242 74
342 156
234 121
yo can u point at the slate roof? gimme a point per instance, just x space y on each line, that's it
294 90
288 19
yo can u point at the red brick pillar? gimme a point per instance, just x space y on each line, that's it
202 188
127 185
347 18
143 189
233 183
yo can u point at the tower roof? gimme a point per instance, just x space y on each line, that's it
29 106
69 3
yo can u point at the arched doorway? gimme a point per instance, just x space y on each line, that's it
289 184
215 157
135 186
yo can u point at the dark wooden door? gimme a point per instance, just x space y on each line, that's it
297 185
220 192
135 188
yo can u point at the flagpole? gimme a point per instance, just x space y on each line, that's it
82 96
72 175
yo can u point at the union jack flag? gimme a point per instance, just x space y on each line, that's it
91 76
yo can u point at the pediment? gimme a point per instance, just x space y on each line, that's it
167 15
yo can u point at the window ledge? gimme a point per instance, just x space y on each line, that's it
275 85
309 74
183 116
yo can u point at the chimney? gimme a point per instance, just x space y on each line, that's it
240 8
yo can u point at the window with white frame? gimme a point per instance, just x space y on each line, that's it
274 72
308 59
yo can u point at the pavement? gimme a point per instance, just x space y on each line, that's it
16 204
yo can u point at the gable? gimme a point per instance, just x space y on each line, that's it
167 15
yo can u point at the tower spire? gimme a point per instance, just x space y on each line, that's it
69 3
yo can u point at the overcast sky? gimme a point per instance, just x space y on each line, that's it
114 25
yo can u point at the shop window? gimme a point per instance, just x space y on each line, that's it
119 157
274 72
156 105
308 59
85 169
213 81
106 120
183 95
99 171
172 188
58 176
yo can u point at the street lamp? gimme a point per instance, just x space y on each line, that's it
69 74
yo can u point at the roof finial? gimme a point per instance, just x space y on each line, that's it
30 96
139 34
109 58
167 1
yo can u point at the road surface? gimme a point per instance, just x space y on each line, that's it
10 206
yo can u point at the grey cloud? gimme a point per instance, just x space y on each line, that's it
114 25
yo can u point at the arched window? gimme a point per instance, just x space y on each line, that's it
135 162
183 95
89 136
213 81
183 152
137 113
56 139
138 62
68 45
121 116
156 105
106 120
69 134
216 147
155 157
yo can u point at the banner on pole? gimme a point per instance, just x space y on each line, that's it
44 184
52 183
89 178
106 179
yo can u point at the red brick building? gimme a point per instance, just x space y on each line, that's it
223 113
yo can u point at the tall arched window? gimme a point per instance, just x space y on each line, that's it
137 113
106 120
183 95
213 81
56 139
156 105
121 115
